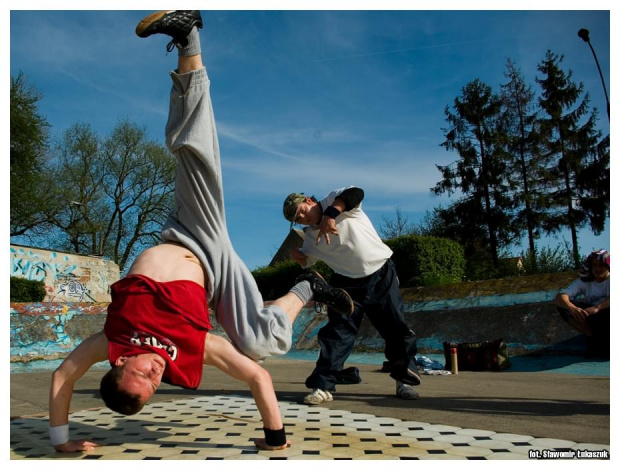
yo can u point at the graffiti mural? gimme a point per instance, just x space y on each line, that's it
67 277
74 290
33 270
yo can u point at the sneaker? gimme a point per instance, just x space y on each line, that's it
175 23
317 397
406 392
350 375
333 297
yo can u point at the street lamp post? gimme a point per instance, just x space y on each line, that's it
585 35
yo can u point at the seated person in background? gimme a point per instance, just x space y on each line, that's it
589 314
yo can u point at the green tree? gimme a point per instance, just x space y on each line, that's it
117 192
578 181
29 144
140 187
79 176
526 164
475 132
593 182
426 260
397 226
463 222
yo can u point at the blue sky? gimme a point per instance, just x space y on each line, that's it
307 101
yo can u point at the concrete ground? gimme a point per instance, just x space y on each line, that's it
569 407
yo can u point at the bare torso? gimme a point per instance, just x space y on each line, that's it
169 262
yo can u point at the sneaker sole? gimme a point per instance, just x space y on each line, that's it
350 312
408 394
146 22
318 401
408 397
308 402
311 403
346 293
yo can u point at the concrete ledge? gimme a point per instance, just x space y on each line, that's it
518 310
538 283
51 330
527 329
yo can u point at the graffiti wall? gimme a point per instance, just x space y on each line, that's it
67 277
518 310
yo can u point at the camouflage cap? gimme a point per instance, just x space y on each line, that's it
291 204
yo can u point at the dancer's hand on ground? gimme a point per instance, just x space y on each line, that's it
77 446
261 444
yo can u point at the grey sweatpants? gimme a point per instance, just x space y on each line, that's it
199 223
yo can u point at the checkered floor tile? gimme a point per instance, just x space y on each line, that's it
223 427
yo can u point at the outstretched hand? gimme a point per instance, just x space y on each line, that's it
327 226
77 446
261 444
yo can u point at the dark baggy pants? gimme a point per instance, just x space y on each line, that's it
377 296
598 343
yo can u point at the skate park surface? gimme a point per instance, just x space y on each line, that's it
541 407
552 403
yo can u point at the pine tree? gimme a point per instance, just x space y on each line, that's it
526 164
475 132
577 180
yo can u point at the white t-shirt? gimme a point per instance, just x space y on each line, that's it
590 292
357 251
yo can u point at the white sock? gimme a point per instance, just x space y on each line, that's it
193 44
303 290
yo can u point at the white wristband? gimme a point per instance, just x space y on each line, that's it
59 434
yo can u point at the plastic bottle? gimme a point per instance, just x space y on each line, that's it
454 359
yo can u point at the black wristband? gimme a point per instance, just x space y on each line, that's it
275 438
331 212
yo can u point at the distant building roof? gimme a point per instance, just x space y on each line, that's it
283 254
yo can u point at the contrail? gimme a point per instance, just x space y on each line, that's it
366 54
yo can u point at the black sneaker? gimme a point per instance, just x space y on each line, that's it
333 297
409 377
175 23
350 375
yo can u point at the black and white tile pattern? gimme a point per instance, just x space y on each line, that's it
223 427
